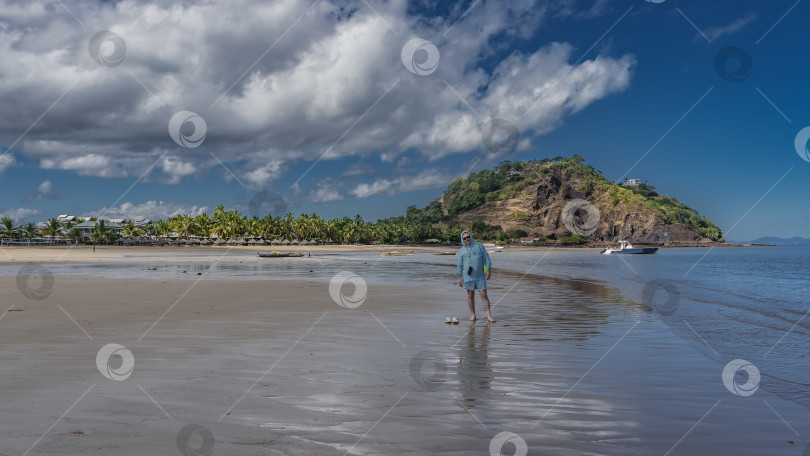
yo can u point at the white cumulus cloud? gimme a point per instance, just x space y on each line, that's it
281 82
19 215
421 181
150 209
43 191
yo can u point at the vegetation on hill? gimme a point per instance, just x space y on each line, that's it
511 180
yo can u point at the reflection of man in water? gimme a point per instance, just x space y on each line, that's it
474 371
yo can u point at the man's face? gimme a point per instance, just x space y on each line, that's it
467 239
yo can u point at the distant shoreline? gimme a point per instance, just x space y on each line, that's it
86 253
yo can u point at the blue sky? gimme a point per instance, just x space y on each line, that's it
313 101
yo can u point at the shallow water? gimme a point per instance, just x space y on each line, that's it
747 303
578 363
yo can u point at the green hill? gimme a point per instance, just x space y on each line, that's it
547 198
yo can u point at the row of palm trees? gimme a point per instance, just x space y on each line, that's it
233 225
52 230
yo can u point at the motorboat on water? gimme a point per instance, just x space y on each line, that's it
626 248
493 248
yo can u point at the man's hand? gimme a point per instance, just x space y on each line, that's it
489 273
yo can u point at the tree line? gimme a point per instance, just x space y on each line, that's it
234 225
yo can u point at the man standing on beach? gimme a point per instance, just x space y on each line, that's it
474 269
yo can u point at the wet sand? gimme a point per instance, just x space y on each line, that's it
278 367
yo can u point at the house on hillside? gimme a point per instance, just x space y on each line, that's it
631 182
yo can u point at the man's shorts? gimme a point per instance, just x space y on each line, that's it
480 284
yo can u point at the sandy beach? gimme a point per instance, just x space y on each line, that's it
279 366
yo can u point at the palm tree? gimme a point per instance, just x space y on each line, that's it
75 234
318 226
52 229
29 230
299 227
161 227
286 226
253 226
267 226
130 230
182 225
330 230
7 228
202 225
102 232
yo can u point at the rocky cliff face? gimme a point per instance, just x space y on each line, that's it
559 203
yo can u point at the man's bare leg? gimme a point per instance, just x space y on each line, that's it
485 302
471 303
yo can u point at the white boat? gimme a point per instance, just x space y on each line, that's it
493 248
626 248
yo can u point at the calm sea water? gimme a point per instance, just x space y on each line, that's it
733 303
730 303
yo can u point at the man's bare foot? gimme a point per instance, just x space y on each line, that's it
473 318
491 320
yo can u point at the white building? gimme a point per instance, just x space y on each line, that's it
87 227
631 182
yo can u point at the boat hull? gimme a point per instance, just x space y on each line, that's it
642 251
280 254
396 253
